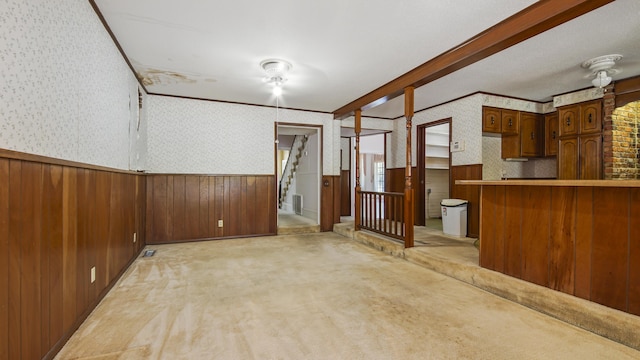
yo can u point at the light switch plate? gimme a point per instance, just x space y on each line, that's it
457 146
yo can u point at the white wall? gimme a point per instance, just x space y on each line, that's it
307 179
208 137
368 123
438 181
66 90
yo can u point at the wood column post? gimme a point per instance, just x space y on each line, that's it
358 210
408 189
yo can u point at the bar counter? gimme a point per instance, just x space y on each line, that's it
581 237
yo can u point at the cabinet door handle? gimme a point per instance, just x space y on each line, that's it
553 135
590 118
510 122
568 120
492 120
533 136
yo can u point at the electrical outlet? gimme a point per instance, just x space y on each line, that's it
134 238
428 191
220 223
93 274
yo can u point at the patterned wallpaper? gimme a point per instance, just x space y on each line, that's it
493 167
466 126
578 96
64 87
396 145
345 147
139 135
208 137
513 104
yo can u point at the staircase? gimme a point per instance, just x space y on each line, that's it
289 172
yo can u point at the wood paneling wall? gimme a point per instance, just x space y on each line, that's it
470 193
56 223
394 179
394 182
627 90
330 202
188 207
583 241
345 193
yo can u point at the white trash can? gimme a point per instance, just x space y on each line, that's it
454 217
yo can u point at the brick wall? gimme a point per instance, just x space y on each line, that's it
625 148
608 107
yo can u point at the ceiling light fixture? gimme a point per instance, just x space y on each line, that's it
276 71
601 69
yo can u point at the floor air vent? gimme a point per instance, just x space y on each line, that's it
149 253
297 204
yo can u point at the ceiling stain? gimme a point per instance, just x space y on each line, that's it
150 77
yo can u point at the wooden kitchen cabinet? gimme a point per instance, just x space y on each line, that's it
510 146
510 122
591 117
580 145
551 134
568 158
529 141
491 120
569 120
590 157
531 135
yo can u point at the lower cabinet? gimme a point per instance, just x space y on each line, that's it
591 156
580 157
568 158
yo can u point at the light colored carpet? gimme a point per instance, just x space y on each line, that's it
290 223
314 296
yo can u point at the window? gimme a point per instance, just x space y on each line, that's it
379 176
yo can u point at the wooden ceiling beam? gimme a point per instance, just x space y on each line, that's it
535 19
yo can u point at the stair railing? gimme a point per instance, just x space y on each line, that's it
290 168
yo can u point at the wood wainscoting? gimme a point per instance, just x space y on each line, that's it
394 182
58 220
330 202
470 193
345 193
189 207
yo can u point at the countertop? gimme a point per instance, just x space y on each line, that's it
592 183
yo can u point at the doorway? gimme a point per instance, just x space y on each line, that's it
372 164
434 172
298 166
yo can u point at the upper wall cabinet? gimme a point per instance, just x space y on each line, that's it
551 134
510 122
529 142
591 117
491 120
583 118
569 117
523 134
531 134
500 121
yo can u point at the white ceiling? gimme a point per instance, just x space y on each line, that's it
341 50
